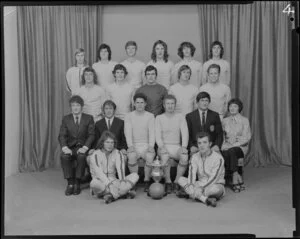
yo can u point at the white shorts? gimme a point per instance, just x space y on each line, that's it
173 151
141 149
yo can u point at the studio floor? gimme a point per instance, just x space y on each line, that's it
35 204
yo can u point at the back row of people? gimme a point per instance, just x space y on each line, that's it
167 71
176 137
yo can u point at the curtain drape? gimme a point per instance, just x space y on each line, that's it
47 39
257 41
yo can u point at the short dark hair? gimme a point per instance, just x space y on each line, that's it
216 66
150 68
236 101
140 95
169 97
89 69
110 103
119 67
186 44
165 46
182 68
130 43
76 99
203 134
104 46
106 135
214 44
202 95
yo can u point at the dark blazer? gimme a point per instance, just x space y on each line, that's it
71 137
212 125
117 128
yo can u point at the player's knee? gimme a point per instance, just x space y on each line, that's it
214 190
184 160
182 181
149 158
132 157
64 156
95 184
165 159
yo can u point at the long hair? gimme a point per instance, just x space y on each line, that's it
153 54
77 51
106 135
215 43
104 46
89 69
186 44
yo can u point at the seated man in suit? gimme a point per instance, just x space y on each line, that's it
208 167
75 137
204 119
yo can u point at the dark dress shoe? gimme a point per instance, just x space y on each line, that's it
131 194
77 189
168 188
211 202
69 190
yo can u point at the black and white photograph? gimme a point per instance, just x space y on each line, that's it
148 118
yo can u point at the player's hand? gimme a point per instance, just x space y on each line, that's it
81 150
66 150
151 149
184 150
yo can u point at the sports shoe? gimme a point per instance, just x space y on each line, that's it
108 198
147 186
168 188
211 202
131 194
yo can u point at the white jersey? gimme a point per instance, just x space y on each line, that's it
93 99
164 72
121 95
73 78
185 96
135 72
104 72
196 68
171 130
224 74
139 128
220 95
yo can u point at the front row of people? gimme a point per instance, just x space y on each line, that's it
198 135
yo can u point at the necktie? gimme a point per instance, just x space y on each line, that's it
109 124
203 118
77 122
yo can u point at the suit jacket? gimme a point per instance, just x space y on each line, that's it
70 136
212 125
117 128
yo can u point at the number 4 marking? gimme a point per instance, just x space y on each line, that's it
288 9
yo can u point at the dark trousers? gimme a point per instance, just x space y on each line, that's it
73 165
231 157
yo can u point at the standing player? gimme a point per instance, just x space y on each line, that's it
120 92
92 94
184 91
216 53
104 66
186 52
220 93
160 60
171 134
154 92
140 137
208 166
134 66
74 73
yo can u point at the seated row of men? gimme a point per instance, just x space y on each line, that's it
170 134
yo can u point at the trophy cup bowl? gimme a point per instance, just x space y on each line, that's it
157 190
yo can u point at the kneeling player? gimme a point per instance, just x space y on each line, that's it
105 163
209 167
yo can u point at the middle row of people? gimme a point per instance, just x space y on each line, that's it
121 92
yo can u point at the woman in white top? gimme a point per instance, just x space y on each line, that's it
160 61
186 52
104 66
121 92
92 94
74 73
216 53
134 66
